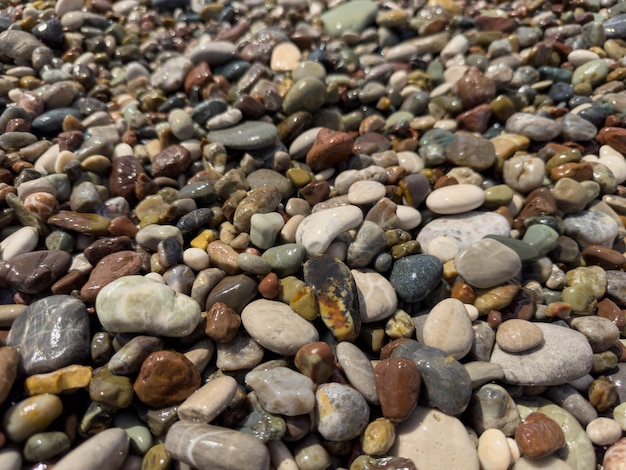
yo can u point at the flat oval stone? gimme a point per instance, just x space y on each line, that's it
398 384
565 355
342 412
249 135
44 445
517 335
591 228
51 333
318 230
307 94
366 192
166 378
277 327
446 383
537 128
282 391
358 368
209 401
30 416
432 439
127 360
377 298
215 447
503 265
449 328
108 448
111 267
493 450
336 294
415 276
353 16
135 304
286 259
150 235
242 353
90 224
601 333
234 291
455 199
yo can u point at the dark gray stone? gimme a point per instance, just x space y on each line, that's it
415 276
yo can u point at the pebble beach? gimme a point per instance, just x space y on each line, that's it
309 235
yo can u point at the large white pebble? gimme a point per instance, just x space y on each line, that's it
455 199
449 328
318 230
493 450
604 431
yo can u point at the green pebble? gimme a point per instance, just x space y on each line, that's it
398 117
498 195
60 240
525 251
580 298
111 390
411 247
285 259
603 361
44 445
593 72
138 432
542 238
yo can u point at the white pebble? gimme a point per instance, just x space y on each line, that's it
493 450
455 199
408 217
410 161
472 312
21 241
444 248
366 192
196 258
614 160
604 431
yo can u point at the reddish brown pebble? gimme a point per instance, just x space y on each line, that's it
222 323
330 149
269 287
577 171
604 257
474 88
602 394
398 384
615 456
316 360
539 436
121 226
124 175
166 378
560 310
9 359
108 269
387 350
74 280
538 202
199 76
613 136
464 292
172 161
610 310
3 440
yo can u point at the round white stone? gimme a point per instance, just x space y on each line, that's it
449 328
493 450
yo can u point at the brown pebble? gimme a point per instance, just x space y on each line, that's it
610 310
123 226
538 202
387 350
560 310
125 172
539 436
602 394
606 258
315 192
475 119
329 149
166 378
172 161
197 77
613 136
474 88
9 359
464 292
316 360
398 384
74 280
222 323
577 171
108 269
269 286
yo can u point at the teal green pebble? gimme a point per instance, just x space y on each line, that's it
44 445
542 238
350 16
285 259
594 72
139 434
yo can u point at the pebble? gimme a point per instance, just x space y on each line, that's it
591 228
504 265
108 448
282 391
122 306
415 276
455 199
30 416
342 412
397 383
449 328
517 335
493 450
209 401
604 431
377 297
568 346
358 369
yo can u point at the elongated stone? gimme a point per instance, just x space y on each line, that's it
282 391
107 449
336 295
215 447
318 230
30 416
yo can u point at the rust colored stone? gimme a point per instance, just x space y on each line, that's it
74 280
475 119
316 360
613 136
398 384
387 350
610 310
329 149
539 436
606 258
582 171
474 88
123 226
269 287
538 202
464 292
166 378
221 323
108 269
197 77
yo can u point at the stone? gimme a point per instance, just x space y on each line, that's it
470 151
361 13
517 335
51 333
318 230
493 408
128 359
277 327
455 199
432 439
195 444
108 448
398 384
377 297
36 271
336 294
139 434
30 416
329 149
282 391
209 401
565 355
249 135
449 328
9 360
166 378
64 379
600 332
493 450
534 127
358 369
261 200
45 445
415 276
242 353
370 240
591 228
342 412
114 266
604 431
134 304
378 437
115 391
316 360
446 383
614 456
539 436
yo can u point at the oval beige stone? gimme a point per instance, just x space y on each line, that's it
455 199
209 401
449 328
493 450
518 335
275 326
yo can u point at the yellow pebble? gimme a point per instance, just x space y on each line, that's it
203 239
66 379
449 270
378 437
